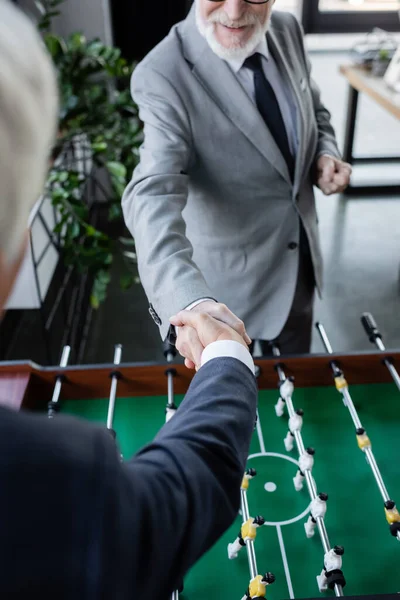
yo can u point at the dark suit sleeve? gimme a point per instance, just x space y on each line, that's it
76 523
185 486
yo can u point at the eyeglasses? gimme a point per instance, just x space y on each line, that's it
248 1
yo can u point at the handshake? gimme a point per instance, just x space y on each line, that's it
208 322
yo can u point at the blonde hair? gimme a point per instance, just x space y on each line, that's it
28 116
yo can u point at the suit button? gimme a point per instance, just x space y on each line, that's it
154 315
292 246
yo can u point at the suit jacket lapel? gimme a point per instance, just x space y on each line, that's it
221 84
278 47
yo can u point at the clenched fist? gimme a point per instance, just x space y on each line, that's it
333 175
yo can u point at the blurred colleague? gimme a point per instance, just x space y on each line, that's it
221 205
76 522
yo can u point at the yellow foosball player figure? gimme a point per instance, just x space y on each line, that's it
392 517
340 382
247 532
258 586
250 474
363 440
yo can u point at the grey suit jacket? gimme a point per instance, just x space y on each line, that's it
211 205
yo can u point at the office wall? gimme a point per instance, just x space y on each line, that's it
89 16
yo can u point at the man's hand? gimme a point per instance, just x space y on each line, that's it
188 342
333 175
197 330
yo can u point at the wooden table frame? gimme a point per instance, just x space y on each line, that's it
24 384
361 80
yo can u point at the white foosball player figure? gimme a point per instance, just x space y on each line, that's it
306 463
295 424
332 574
247 532
286 389
170 411
258 587
317 510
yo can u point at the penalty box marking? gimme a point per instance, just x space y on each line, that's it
292 460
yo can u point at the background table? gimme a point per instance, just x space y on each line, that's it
361 80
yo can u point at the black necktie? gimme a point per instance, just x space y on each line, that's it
268 106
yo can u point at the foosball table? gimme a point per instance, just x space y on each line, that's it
323 471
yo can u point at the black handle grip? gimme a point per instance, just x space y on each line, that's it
371 328
169 348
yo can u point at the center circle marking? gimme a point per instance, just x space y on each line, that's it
292 460
270 486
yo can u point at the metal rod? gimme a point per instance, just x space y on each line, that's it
52 407
377 474
251 554
380 345
113 389
170 353
170 375
375 337
394 373
311 485
352 409
324 338
344 391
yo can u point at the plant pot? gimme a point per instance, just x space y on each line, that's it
379 67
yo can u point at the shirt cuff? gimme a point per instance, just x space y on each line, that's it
328 154
197 302
230 349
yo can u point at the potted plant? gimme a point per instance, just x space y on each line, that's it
381 62
95 152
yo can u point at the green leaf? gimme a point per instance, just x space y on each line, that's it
76 41
119 187
94 301
63 176
116 169
90 231
99 147
75 230
115 212
40 7
126 282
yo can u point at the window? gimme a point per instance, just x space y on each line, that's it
345 16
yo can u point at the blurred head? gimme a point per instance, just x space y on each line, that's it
28 109
233 28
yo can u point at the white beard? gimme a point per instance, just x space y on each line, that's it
237 51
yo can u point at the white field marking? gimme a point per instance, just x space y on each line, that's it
285 561
260 434
270 486
292 460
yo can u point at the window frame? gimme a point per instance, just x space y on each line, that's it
316 21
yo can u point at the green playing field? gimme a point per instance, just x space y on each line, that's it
355 517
